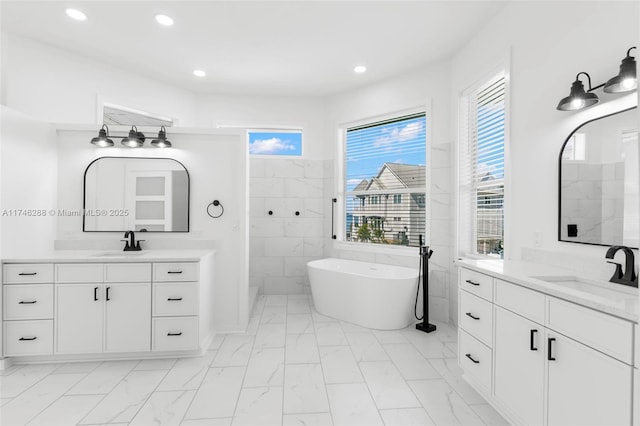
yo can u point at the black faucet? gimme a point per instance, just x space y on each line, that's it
132 244
629 277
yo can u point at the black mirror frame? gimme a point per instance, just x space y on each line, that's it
84 193
560 178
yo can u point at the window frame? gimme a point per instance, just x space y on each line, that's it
340 215
503 67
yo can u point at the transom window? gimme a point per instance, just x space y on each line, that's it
275 143
385 181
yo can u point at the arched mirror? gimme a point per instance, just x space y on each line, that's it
141 194
598 188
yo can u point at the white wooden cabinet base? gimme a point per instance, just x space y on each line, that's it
541 360
100 310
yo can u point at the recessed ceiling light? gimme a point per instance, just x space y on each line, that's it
199 73
360 69
165 20
76 14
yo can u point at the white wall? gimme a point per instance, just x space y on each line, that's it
29 176
425 87
217 166
58 86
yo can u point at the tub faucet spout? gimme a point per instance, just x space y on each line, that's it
629 276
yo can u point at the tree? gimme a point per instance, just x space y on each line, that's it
364 233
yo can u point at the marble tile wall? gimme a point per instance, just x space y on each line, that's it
282 243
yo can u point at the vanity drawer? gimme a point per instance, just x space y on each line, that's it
28 301
80 273
28 338
127 272
175 271
476 317
522 301
17 273
175 299
476 283
606 333
175 334
475 359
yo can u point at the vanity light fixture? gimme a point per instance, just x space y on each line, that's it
135 138
578 98
102 140
626 80
162 141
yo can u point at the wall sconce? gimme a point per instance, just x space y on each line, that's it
578 98
162 141
135 139
102 140
625 81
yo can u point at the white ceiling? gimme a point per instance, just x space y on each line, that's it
257 47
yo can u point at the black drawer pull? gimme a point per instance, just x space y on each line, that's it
175 334
108 288
470 315
95 293
549 350
174 299
27 273
472 283
30 302
471 358
531 338
174 272
27 338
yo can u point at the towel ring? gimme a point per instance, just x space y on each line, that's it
215 203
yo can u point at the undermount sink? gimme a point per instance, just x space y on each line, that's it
119 254
590 289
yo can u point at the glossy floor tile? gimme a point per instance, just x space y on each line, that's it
292 366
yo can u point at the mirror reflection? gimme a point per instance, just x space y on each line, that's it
599 182
141 194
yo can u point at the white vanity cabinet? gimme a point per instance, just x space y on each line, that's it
107 310
96 313
554 362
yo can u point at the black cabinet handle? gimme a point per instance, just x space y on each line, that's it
472 283
175 334
27 273
531 340
95 293
549 350
108 288
174 299
471 358
30 302
174 272
470 315
27 338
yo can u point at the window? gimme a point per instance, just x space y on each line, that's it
481 169
281 143
385 163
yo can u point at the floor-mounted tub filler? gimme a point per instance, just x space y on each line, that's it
367 294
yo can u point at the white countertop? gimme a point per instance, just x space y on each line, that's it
109 256
615 299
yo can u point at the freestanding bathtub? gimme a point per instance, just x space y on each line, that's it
368 294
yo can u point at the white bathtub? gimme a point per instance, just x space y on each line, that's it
368 294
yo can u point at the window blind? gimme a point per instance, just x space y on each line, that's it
385 181
481 169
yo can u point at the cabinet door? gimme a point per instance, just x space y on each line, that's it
519 366
585 386
128 317
79 318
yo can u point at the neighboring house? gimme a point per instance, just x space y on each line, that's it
490 214
392 218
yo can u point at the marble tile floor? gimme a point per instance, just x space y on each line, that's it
292 366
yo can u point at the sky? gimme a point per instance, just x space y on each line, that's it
368 149
275 143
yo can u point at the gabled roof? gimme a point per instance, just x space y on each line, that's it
362 186
410 175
